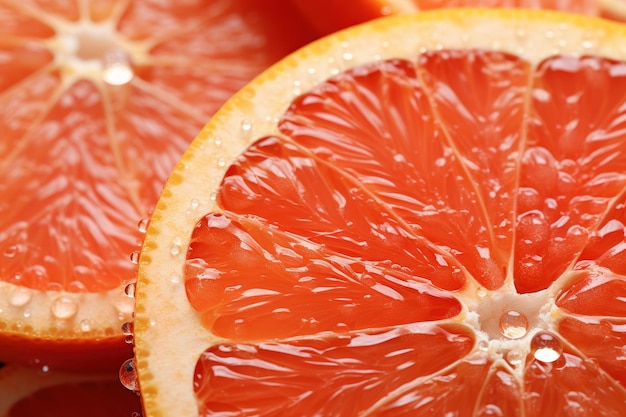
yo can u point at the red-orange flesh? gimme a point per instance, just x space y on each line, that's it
345 242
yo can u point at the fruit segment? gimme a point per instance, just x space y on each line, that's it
479 99
572 172
377 125
396 192
441 394
336 375
571 386
72 205
274 285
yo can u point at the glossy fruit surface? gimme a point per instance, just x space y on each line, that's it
393 225
98 99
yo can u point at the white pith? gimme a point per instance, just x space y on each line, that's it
169 332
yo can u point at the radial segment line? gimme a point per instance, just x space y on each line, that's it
169 99
52 99
450 141
38 14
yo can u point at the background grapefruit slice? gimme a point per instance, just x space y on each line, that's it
97 102
328 16
27 391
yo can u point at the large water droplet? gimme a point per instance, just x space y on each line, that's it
513 324
85 326
127 328
116 67
20 297
142 226
175 250
128 375
129 290
64 307
134 257
546 347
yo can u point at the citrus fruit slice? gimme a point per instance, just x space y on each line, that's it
98 99
328 16
613 9
27 392
408 217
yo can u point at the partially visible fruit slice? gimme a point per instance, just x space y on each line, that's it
27 392
97 102
613 9
395 225
328 16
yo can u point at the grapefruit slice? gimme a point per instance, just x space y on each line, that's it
98 99
408 217
27 391
328 16
613 9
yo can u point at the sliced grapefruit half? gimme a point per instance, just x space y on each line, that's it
410 217
328 16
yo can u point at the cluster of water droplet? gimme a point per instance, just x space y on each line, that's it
544 346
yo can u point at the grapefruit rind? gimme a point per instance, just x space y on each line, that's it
169 336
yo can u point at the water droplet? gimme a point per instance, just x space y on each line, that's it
128 375
514 357
546 347
85 326
142 226
134 257
217 141
20 297
588 44
246 125
175 250
11 251
221 161
513 324
64 307
297 90
176 278
195 203
127 328
129 290
483 346
37 363
116 67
